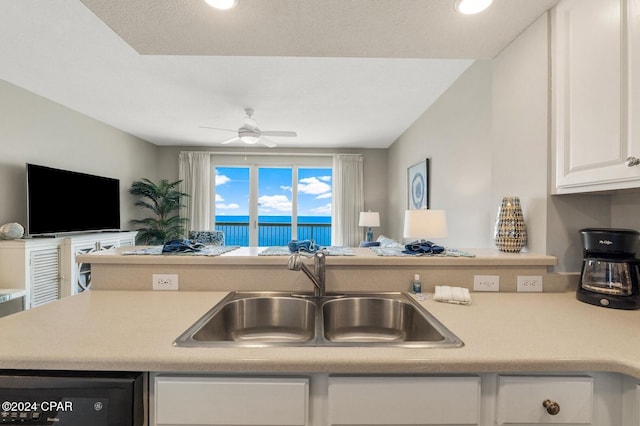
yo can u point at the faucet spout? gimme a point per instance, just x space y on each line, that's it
317 276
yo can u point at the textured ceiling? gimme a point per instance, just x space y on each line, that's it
342 73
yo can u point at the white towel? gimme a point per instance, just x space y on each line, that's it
458 295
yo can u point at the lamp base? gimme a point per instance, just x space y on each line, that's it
369 235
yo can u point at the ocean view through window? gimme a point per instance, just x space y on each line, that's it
270 206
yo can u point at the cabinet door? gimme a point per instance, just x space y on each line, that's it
201 400
521 399
634 78
404 400
590 110
44 276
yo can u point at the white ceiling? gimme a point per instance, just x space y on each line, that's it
342 73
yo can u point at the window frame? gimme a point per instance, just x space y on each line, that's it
254 162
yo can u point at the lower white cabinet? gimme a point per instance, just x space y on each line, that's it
637 406
544 400
210 400
631 401
404 400
486 399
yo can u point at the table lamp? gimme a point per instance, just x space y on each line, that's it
369 219
425 224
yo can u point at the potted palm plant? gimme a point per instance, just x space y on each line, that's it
163 200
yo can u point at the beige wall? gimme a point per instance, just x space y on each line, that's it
512 93
486 137
454 133
519 134
36 130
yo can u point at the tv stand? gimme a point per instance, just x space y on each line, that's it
45 267
79 274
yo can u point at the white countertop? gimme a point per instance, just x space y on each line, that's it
363 256
502 332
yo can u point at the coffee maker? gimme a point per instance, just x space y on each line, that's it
610 270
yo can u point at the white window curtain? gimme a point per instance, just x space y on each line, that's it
194 169
348 199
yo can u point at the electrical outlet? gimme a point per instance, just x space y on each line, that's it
486 283
529 283
165 281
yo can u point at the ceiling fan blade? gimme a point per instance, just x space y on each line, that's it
281 133
217 128
267 142
233 139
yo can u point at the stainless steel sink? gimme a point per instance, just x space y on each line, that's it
375 319
255 318
282 319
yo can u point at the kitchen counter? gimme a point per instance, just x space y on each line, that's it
502 332
245 269
362 257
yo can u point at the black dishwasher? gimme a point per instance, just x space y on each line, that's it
71 398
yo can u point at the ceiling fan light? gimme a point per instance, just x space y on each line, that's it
222 4
249 140
470 7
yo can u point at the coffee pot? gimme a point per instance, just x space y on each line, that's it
610 270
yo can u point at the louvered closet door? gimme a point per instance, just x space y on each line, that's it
45 276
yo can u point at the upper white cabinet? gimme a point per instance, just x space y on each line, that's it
596 122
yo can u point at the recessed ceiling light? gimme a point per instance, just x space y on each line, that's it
222 4
469 7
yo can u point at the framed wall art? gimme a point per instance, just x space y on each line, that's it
418 185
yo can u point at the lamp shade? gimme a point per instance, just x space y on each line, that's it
369 219
425 224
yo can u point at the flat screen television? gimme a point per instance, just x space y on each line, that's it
63 201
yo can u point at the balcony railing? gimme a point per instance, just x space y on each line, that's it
274 234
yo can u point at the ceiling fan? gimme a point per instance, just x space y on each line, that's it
250 134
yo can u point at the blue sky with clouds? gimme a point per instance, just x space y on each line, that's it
274 191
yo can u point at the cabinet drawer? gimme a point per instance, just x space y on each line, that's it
404 400
520 399
196 400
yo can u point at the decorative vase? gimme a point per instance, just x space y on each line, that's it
511 231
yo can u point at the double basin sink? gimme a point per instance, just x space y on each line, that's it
262 319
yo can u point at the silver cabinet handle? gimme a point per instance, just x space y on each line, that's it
553 408
632 161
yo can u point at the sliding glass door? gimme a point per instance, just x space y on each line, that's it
264 205
275 209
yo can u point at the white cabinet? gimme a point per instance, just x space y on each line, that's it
637 406
596 122
631 402
33 265
46 268
488 399
404 400
211 400
544 400
77 276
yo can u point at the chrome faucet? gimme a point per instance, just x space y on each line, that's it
317 276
